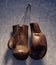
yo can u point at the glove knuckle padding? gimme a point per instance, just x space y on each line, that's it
38 42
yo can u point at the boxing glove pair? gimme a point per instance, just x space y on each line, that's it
19 42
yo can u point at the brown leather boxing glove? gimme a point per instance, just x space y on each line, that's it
19 43
38 45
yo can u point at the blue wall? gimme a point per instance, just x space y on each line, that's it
43 12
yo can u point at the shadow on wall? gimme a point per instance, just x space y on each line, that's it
10 60
36 62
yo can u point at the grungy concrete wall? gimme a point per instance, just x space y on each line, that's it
43 12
